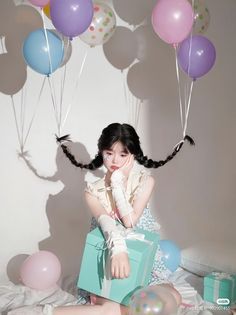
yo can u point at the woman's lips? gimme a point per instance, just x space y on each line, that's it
113 167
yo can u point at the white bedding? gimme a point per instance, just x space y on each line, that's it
13 297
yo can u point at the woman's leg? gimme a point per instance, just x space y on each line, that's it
105 307
79 310
174 292
102 307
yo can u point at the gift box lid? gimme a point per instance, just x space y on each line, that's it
136 249
226 280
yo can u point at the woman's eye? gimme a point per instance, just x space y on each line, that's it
123 155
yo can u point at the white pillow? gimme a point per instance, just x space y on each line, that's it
203 258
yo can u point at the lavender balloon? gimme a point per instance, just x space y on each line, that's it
196 56
71 17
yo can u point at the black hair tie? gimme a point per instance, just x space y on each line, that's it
63 138
189 139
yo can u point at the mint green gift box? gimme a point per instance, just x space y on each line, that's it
95 266
220 288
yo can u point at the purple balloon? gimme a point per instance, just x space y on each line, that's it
71 17
196 56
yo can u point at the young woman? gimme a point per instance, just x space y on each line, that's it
121 195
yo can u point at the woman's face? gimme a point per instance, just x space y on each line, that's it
115 157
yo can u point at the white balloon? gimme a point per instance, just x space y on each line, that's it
67 47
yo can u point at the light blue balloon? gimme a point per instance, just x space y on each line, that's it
171 254
38 56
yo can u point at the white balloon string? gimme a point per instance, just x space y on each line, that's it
179 90
53 90
133 109
54 94
16 123
63 78
125 94
185 96
81 68
35 112
66 115
22 112
54 107
188 108
62 94
189 53
75 88
131 105
80 73
139 109
138 105
46 37
136 113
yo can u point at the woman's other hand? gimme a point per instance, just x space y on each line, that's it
120 266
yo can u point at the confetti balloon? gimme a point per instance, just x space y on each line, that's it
102 26
153 300
201 17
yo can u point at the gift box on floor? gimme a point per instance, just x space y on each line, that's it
95 275
220 288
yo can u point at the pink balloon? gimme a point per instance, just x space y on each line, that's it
172 20
39 3
41 270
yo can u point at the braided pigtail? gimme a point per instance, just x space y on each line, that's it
149 163
94 164
125 134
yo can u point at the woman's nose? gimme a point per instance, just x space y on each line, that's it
115 159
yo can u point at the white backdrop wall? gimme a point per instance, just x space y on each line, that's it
42 204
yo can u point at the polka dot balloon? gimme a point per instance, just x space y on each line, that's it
102 26
153 300
201 17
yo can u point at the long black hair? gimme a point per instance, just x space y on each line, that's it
127 135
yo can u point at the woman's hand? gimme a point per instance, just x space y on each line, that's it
119 176
127 167
120 267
